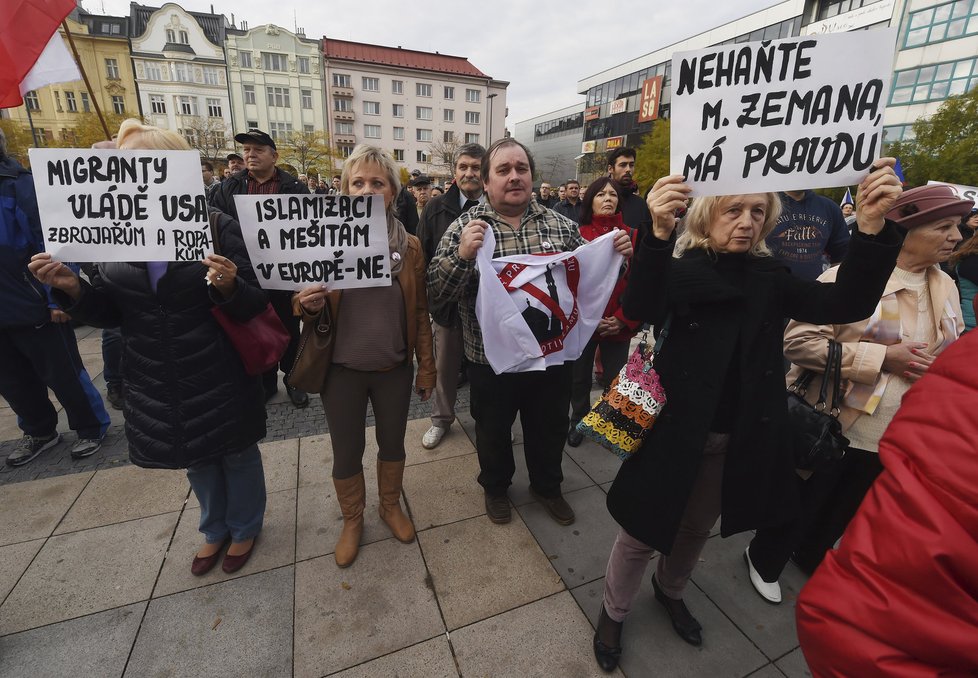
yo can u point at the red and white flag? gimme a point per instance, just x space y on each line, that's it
32 53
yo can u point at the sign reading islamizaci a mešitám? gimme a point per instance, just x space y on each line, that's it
114 205
295 241
780 115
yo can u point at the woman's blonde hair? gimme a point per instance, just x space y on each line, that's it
364 153
704 212
135 135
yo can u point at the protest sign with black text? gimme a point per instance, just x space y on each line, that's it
112 205
780 115
299 240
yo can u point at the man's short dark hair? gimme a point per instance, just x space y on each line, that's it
495 146
207 166
469 150
571 181
615 153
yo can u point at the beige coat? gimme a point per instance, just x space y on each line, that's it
805 345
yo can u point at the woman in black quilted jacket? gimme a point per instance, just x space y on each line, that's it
188 401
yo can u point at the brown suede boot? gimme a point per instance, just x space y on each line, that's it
351 493
389 477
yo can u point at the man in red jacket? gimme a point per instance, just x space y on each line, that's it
900 595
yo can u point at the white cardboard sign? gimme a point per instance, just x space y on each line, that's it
964 192
780 115
113 205
295 241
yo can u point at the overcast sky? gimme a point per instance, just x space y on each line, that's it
542 56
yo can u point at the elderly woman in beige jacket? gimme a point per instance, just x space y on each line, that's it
918 317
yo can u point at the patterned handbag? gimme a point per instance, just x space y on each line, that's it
623 417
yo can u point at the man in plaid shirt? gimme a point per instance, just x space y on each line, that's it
542 399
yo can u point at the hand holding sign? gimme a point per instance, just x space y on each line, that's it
876 195
470 242
54 274
221 273
668 195
312 298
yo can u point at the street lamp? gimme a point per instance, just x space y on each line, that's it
490 97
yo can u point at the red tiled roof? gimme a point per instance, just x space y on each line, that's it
395 56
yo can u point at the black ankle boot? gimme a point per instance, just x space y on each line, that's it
607 653
683 621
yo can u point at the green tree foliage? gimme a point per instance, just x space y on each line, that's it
652 160
945 145
18 139
308 150
88 129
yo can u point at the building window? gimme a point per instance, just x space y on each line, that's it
306 98
473 96
342 80
342 105
57 102
897 133
245 59
371 131
271 61
211 76
252 124
303 65
371 108
345 150
943 22
157 104
424 135
424 157
422 89
398 110
397 87
344 128
153 71
278 97
70 102
182 72
472 117
188 105
31 101
935 82
112 69
371 84
184 38
279 130
86 103
249 94
471 138
399 154
830 8
214 108
398 134
308 129
171 35
423 112
448 136
449 115
450 93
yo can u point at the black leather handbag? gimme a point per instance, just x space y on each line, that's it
816 432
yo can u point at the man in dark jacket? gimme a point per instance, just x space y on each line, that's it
446 327
634 211
261 176
810 229
406 206
571 206
38 349
547 197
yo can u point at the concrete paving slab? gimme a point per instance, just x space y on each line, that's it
480 569
241 627
280 461
380 604
14 560
320 520
455 443
444 491
9 430
651 646
605 487
519 491
39 506
600 464
89 571
315 460
794 665
119 494
549 637
722 574
96 645
275 547
92 344
769 671
430 659
579 552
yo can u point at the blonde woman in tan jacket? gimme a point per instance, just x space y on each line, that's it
366 355
918 317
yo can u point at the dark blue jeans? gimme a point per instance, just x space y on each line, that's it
112 356
231 492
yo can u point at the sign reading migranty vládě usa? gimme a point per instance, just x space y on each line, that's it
779 115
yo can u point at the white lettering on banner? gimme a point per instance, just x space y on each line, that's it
115 205
299 240
964 192
780 115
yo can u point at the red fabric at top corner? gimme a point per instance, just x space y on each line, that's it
25 28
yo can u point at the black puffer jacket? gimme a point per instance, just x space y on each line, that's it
237 184
188 398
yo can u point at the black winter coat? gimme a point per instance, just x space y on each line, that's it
714 323
188 399
635 213
436 217
237 184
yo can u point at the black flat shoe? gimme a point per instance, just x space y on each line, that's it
574 437
606 656
683 622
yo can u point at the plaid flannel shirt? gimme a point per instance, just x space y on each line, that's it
541 231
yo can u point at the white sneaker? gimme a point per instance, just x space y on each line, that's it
432 437
771 592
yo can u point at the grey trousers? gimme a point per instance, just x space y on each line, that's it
630 557
448 361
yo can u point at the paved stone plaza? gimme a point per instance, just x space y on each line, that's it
95 573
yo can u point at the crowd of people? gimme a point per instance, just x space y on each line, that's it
750 287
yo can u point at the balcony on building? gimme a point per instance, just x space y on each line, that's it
345 92
345 139
343 116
